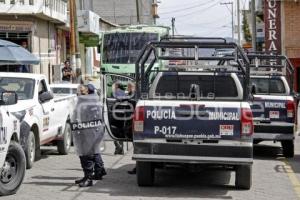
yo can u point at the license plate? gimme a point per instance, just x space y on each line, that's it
226 130
274 114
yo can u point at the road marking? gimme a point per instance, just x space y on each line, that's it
292 176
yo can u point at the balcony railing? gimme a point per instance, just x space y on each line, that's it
53 10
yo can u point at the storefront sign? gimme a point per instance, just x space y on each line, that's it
15 27
273 26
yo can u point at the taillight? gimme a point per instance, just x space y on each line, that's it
246 122
138 119
290 108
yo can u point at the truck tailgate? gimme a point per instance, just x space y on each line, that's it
192 120
267 109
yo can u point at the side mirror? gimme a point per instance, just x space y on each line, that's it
8 98
253 89
45 96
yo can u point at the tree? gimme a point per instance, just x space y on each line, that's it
246 29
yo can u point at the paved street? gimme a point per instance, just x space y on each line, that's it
52 177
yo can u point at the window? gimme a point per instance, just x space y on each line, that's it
2 1
21 2
124 48
12 1
24 87
204 86
268 85
31 2
42 87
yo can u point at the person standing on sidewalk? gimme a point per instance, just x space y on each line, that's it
88 131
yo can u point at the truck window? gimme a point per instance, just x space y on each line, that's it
209 87
42 87
24 87
268 85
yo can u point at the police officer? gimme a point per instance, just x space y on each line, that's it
88 132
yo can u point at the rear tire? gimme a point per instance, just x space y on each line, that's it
13 171
30 150
288 148
145 173
243 177
63 146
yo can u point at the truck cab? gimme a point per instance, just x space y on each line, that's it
196 114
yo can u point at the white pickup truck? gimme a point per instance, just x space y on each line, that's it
12 157
44 119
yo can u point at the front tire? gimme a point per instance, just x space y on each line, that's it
145 173
13 171
288 148
243 177
63 146
30 150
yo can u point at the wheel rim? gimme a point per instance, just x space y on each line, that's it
9 169
32 149
68 137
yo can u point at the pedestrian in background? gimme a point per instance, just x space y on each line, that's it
88 131
67 72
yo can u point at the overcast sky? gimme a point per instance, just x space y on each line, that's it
198 17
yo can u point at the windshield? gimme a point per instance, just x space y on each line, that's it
124 48
24 87
268 85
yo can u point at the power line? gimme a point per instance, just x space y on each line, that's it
177 5
191 13
186 8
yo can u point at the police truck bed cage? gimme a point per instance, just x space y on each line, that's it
145 62
268 64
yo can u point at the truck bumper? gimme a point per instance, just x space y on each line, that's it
274 132
240 153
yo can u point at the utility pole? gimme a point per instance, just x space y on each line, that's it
232 17
77 47
137 11
173 25
74 40
253 16
238 22
72 36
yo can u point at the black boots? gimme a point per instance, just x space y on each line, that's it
84 182
99 175
87 182
77 181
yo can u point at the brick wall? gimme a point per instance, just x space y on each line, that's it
291 15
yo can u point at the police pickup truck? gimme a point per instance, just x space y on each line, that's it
44 119
273 106
196 113
12 157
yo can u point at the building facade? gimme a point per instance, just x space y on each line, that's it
126 12
36 23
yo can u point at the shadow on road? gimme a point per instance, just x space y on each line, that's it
267 152
170 182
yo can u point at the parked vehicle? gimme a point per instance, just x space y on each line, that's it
43 119
273 106
195 114
120 47
12 157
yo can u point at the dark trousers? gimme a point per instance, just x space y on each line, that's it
91 164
